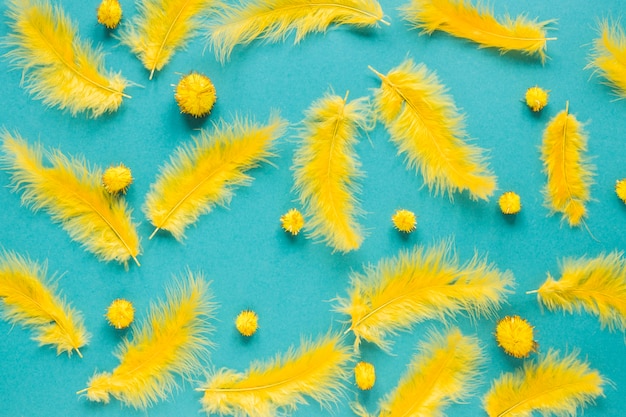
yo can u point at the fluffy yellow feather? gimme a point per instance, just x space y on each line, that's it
162 27
28 297
551 385
72 193
203 173
318 369
60 69
425 283
569 173
423 122
609 56
476 23
274 20
326 167
173 340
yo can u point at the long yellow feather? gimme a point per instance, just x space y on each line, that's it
425 126
551 385
326 168
564 162
274 20
62 70
425 283
162 27
72 193
609 56
173 340
203 173
316 370
476 23
28 297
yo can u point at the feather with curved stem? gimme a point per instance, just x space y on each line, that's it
60 69
72 193
30 298
550 385
203 173
316 370
162 27
274 20
476 23
325 169
609 56
425 283
173 340
425 126
569 173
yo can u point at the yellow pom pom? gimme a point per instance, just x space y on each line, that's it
195 94
292 221
404 220
109 13
120 313
117 179
536 98
247 322
620 189
515 336
364 375
510 203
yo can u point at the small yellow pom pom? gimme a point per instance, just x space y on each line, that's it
515 336
364 375
404 220
109 13
536 98
120 313
195 94
510 203
292 221
247 322
117 179
620 189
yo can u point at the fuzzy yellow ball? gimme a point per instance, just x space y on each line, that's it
117 179
247 323
364 375
404 220
620 189
515 336
536 98
292 221
120 313
510 203
195 94
109 13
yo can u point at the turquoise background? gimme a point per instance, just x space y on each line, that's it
290 282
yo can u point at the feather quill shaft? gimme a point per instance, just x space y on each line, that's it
423 122
173 340
609 56
425 283
274 20
60 69
29 298
73 195
550 385
203 173
316 370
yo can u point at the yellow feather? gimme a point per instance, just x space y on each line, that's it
316 370
29 298
202 174
551 385
425 126
172 341
609 56
326 167
476 23
60 69
162 27
425 283
274 20
569 174
73 195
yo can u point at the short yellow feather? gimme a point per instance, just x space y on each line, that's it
609 56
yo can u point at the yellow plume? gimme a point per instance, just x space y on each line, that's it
172 341
461 19
569 174
274 20
550 385
202 174
326 167
162 27
425 126
317 370
609 56
61 70
73 195
29 298
425 283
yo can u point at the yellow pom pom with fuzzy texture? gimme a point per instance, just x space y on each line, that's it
364 375
510 203
195 94
292 221
515 336
247 322
620 189
404 220
120 313
109 13
117 179
536 98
